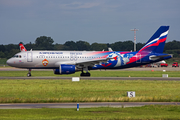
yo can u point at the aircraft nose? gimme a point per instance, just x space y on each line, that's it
9 62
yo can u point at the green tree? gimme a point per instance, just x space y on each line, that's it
98 47
176 53
172 45
9 47
83 45
58 46
2 48
139 46
29 46
44 43
70 45
123 46
11 53
2 55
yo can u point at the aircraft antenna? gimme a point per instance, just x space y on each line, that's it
134 37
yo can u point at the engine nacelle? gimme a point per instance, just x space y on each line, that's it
65 69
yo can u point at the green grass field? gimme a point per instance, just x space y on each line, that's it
3 61
42 91
96 73
146 112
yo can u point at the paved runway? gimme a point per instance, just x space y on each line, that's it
169 68
97 78
82 105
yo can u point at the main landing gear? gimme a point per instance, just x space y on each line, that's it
87 74
29 73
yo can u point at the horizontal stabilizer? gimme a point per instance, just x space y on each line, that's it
154 57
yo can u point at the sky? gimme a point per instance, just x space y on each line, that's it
101 21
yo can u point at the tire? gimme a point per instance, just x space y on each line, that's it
29 75
85 74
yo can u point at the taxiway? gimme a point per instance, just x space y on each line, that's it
96 78
82 105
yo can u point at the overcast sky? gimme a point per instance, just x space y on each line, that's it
101 21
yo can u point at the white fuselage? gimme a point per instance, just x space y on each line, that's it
49 59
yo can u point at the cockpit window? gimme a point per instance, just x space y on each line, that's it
17 56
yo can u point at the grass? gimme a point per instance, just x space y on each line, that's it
3 62
43 91
145 112
94 73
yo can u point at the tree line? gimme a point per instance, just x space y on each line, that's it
46 43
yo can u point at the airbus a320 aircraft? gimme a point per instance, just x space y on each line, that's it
68 62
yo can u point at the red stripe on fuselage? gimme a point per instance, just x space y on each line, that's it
154 44
134 58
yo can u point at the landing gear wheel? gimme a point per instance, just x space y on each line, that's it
85 74
88 74
82 74
29 75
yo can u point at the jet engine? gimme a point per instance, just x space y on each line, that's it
65 69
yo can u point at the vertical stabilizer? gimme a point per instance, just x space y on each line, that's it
157 41
22 48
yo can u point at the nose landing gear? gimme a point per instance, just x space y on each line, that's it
29 73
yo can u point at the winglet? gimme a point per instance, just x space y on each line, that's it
22 48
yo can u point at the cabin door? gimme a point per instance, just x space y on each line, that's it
29 57
138 58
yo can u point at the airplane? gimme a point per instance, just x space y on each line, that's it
158 64
69 62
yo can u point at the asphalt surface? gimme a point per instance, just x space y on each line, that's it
82 105
169 68
96 78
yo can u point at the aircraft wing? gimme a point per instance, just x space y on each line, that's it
87 62
92 62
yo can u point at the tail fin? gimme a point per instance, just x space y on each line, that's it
157 41
22 48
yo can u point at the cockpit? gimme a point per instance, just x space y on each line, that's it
17 56
16 61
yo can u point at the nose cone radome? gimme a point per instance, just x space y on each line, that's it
10 62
